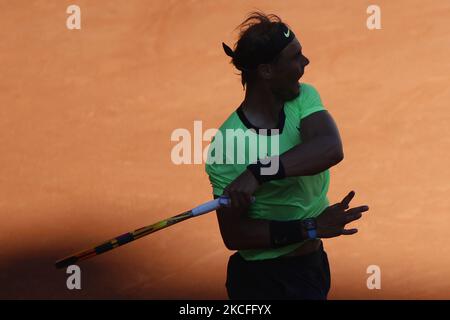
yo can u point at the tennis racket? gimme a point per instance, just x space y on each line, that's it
142 232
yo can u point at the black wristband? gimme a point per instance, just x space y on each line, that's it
283 233
256 170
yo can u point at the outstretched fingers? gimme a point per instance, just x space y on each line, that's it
348 232
346 201
355 213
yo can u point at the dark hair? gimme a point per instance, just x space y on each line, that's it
255 32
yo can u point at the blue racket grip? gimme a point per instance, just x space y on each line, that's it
209 206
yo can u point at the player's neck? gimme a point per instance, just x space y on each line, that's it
261 107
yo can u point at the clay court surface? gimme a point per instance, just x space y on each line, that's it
86 118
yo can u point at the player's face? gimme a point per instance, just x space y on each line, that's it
287 71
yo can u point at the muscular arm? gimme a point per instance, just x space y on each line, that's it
321 147
240 232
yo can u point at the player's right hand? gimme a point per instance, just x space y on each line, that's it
240 191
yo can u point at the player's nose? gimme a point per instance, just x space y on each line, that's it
305 61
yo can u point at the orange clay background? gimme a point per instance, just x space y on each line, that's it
86 118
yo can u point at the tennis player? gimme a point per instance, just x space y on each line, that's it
280 254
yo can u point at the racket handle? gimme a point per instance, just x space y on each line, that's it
213 205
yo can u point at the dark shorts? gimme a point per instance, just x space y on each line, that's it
304 277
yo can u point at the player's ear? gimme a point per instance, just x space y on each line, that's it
264 71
